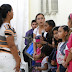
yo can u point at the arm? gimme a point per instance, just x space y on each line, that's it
34 45
37 57
45 67
69 56
66 60
26 41
69 45
12 46
58 69
45 42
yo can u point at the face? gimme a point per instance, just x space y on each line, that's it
39 45
55 33
47 27
34 25
69 23
11 13
40 20
61 33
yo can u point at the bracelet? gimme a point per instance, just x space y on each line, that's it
34 40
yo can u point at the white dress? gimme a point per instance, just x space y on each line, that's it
7 61
43 62
36 31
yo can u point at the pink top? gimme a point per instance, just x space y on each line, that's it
38 52
69 45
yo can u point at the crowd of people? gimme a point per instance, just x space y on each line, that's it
52 45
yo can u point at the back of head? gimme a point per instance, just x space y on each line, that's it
70 21
46 50
70 17
3 12
51 23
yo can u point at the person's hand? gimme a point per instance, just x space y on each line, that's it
37 68
42 42
65 64
41 38
71 49
17 68
66 70
57 70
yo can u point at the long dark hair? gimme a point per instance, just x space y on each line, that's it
3 12
59 40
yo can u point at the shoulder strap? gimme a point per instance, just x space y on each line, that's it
63 47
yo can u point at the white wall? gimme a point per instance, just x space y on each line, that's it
13 3
20 20
34 8
61 18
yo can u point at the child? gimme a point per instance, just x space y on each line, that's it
55 42
45 52
37 58
63 33
49 24
68 52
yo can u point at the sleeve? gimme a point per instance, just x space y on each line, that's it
10 32
26 39
45 61
35 31
69 44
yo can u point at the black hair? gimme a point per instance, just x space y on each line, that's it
65 28
59 40
55 28
46 49
3 12
70 17
33 21
38 15
51 23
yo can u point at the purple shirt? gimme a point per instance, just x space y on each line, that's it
29 34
